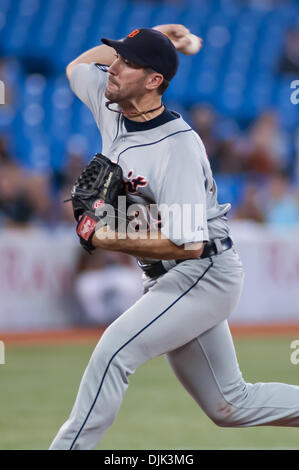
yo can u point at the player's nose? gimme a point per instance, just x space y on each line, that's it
113 69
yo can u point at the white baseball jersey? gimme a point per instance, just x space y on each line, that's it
183 312
164 161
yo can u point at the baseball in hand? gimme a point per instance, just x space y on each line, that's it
193 46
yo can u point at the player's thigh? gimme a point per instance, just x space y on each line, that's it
177 309
208 369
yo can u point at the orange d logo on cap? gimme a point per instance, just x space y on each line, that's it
133 33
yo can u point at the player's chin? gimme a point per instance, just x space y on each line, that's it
111 95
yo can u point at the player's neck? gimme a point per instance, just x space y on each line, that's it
143 110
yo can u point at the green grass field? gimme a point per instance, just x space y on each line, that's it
39 384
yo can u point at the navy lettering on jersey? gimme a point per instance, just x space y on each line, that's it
133 184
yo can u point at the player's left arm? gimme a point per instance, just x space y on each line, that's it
181 200
144 245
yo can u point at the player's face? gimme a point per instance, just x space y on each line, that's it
126 81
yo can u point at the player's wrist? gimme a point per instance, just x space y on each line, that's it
85 230
104 238
181 37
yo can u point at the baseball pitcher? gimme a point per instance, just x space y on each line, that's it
192 273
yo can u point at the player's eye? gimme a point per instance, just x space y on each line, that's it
127 62
131 64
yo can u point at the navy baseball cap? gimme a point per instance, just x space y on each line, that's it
148 48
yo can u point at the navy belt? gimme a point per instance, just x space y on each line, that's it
211 248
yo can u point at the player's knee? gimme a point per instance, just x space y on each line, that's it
232 408
228 413
106 348
110 352
223 413
224 418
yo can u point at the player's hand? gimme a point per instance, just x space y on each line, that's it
181 37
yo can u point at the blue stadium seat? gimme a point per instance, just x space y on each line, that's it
230 188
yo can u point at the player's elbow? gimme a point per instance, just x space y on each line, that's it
189 251
194 250
69 69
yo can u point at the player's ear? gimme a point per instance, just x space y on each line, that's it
153 80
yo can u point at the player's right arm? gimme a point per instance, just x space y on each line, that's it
88 76
100 54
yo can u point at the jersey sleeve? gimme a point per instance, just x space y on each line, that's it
88 82
181 198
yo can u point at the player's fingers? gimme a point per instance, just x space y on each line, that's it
180 30
173 30
182 42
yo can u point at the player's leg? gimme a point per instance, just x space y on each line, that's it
175 310
208 369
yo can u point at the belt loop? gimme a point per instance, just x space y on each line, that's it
168 264
219 246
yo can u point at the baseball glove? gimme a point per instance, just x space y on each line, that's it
93 195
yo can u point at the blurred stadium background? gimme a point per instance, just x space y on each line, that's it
237 94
